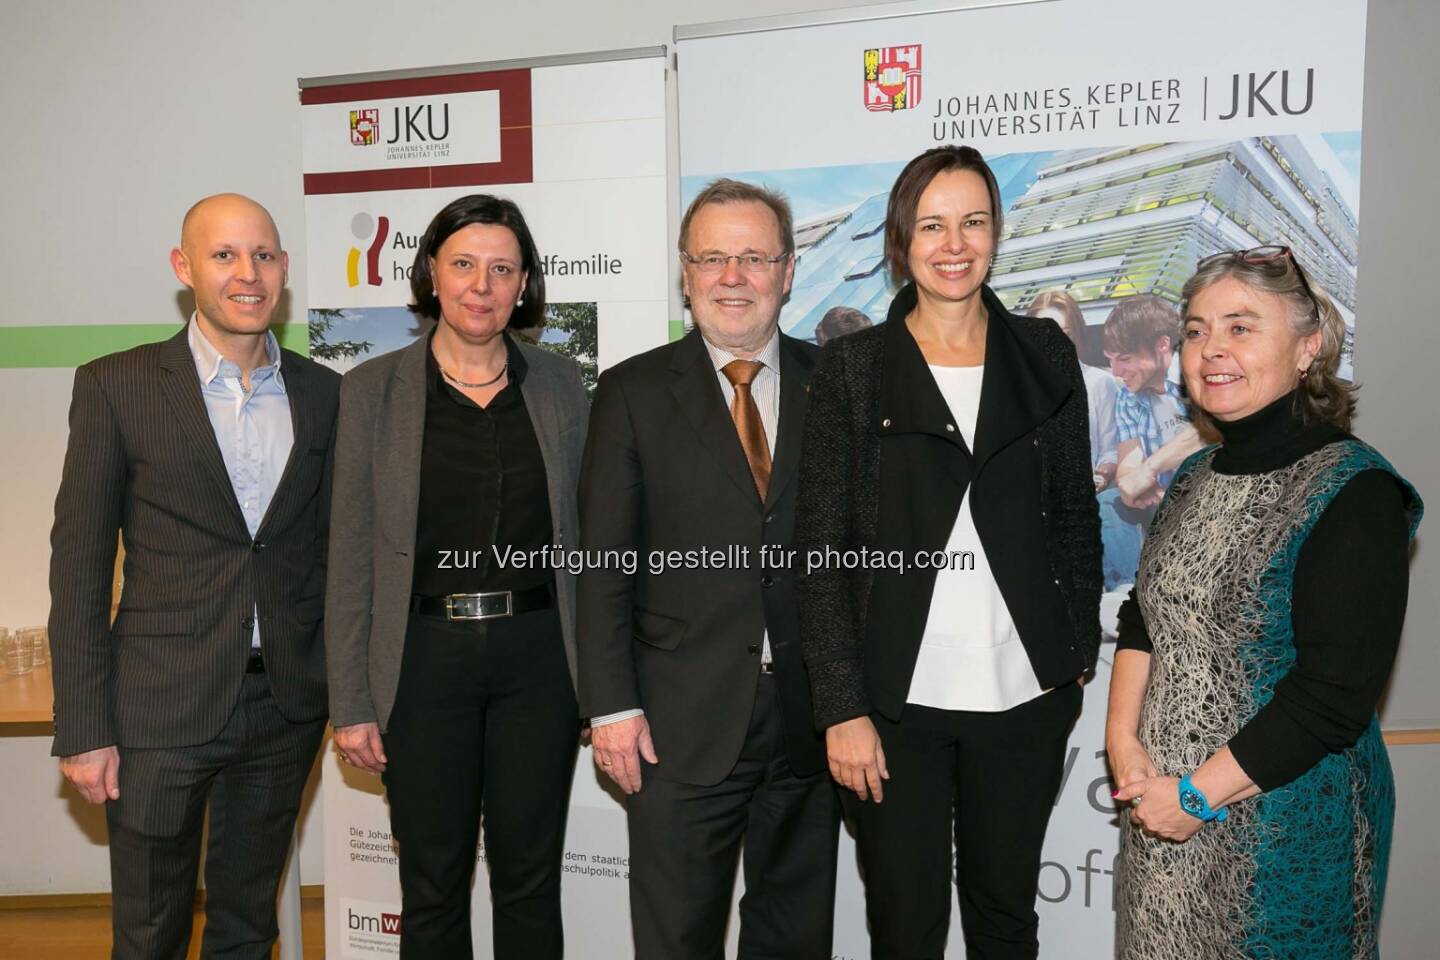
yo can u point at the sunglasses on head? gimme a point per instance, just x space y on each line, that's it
1265 254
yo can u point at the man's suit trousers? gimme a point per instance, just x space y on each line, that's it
253 775
685 840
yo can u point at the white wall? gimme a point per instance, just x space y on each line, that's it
1398 338
118 116
1397 343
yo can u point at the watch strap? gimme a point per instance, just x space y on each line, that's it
1194 802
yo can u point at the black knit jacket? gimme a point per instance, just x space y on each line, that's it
877 444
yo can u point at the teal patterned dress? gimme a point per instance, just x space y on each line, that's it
1297 871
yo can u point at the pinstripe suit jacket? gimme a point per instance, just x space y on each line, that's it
143 460
381 432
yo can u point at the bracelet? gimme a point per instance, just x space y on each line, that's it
1194 802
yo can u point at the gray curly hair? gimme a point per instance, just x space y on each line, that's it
1322 395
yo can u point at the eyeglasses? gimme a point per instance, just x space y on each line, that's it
718 262
1266 254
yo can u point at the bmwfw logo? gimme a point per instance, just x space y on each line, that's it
364 922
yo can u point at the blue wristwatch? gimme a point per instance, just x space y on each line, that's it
1193 802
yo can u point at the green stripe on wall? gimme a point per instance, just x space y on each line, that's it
70 346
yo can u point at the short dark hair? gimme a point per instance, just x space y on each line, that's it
839 321
1137 322
459 214
905 199
725 190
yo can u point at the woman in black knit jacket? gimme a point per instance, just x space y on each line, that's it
950 598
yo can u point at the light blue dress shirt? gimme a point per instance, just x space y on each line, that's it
254 429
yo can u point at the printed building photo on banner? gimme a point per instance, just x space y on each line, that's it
1124 155
1101 241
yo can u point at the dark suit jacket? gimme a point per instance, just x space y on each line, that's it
884 468
377 489
143 460
664 470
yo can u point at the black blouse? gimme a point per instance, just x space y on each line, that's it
482 487
1351 585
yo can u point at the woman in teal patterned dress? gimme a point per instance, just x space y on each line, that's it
1259 636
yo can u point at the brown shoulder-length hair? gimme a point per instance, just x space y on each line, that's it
905 199
1076 328
1322 395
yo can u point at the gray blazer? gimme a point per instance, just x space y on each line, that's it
380 429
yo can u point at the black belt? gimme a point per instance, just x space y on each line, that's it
767 666
256 663
484 606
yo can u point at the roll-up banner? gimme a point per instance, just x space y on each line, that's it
580 145
1129 139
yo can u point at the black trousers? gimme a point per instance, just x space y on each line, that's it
992 778
485 718
252 775
685 840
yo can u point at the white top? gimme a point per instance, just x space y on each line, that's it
971 657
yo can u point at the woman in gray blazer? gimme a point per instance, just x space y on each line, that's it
450 630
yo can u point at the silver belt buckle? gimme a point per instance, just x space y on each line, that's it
477 604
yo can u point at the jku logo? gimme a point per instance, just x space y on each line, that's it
1255 90
892 78
409 131
364 126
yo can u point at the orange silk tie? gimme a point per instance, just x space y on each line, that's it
741 373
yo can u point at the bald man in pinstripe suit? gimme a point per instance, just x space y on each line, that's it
209 453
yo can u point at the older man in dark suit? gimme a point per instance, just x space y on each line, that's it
208 453
690 668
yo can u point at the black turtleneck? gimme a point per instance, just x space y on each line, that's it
1348 606
1274 437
